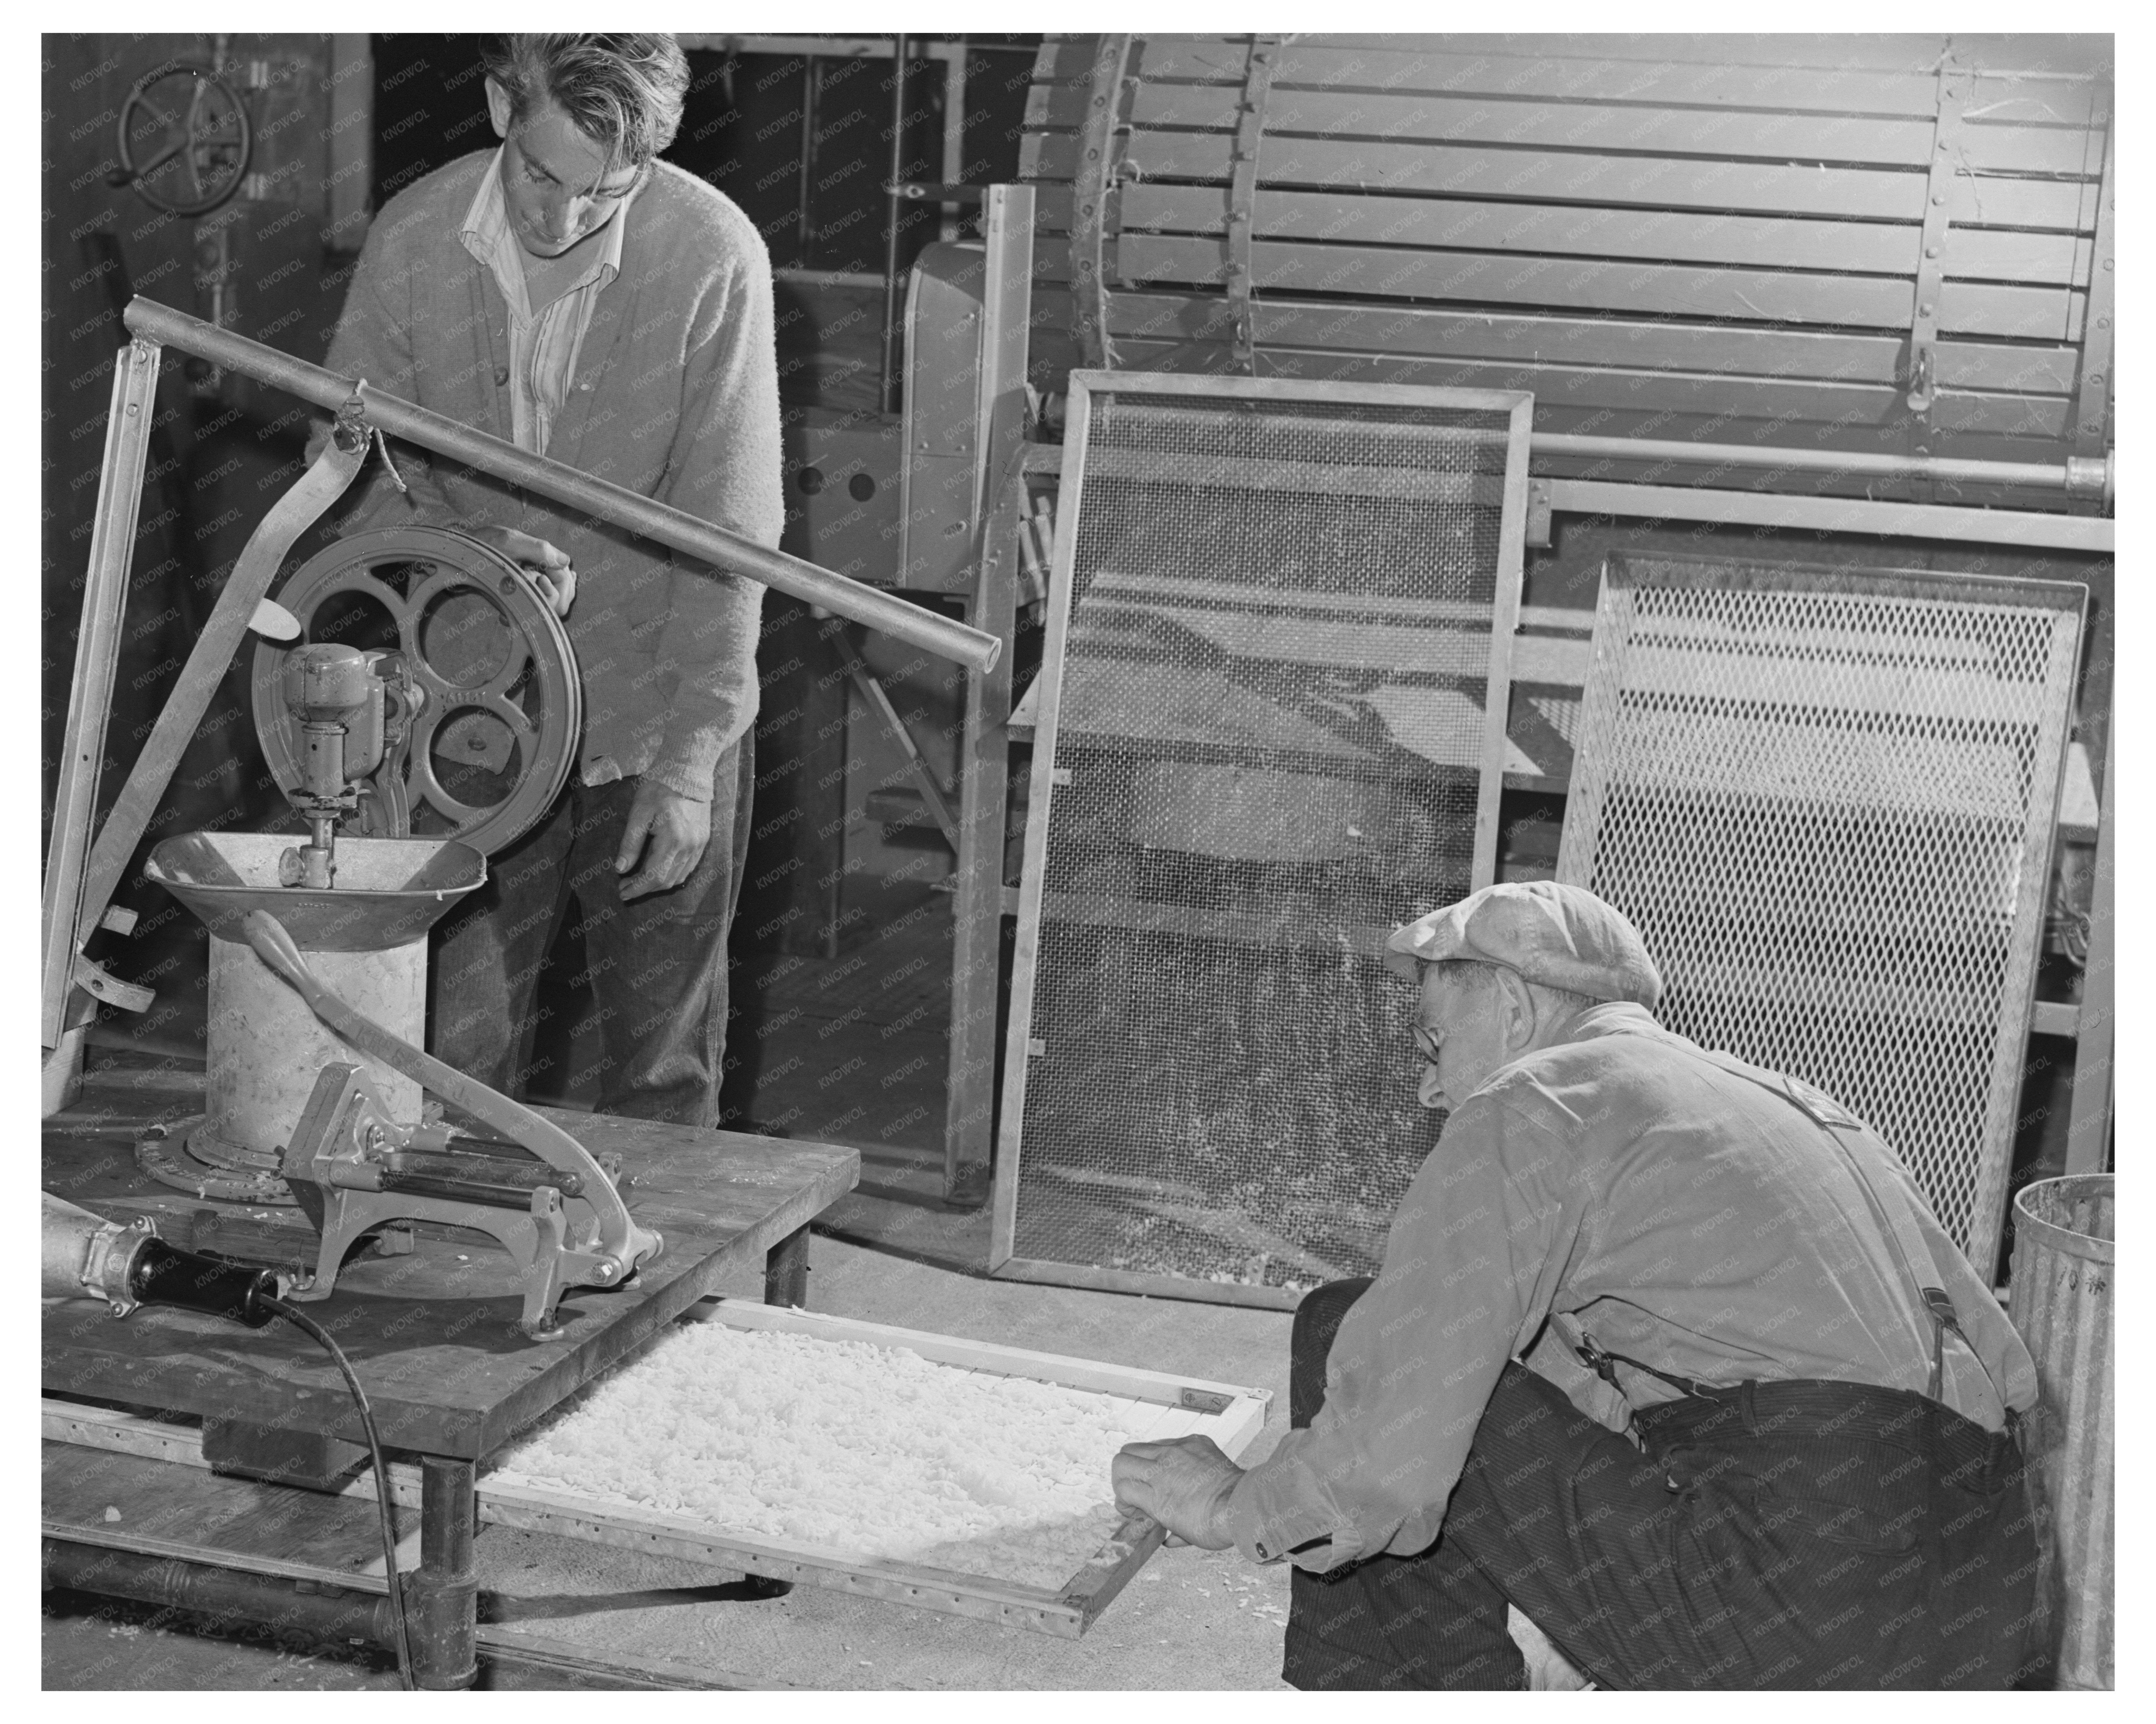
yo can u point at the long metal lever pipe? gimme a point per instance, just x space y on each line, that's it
882 611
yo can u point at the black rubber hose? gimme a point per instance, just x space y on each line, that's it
300 1320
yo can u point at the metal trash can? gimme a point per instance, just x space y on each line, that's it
2063 1274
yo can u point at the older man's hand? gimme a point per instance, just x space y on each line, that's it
1184 1484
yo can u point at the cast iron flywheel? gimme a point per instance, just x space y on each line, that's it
496 729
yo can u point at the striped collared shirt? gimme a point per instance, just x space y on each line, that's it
543 349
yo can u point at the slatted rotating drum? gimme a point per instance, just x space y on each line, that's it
498 707
1870 244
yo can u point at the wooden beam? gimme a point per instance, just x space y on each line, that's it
1910 520
2089 1123
1666 181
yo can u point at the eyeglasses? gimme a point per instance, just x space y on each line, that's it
1426 1045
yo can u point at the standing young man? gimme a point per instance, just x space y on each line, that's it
570 293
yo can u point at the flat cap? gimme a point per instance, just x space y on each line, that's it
1560 935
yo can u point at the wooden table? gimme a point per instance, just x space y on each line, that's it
432 1335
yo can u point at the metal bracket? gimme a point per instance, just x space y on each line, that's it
1101 144
1920 376
1540 508
1243 195
100 984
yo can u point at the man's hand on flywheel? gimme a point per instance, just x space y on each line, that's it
669 832
546 566
1184 1483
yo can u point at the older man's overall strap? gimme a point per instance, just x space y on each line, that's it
1834 1121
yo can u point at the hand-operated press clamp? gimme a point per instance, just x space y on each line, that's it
553 1206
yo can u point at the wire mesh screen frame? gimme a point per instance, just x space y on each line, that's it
1507 419
1758 744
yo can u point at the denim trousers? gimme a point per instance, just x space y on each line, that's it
657 964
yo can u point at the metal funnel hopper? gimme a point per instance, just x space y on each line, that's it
389 891
366 938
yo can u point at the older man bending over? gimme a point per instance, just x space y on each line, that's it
1666 1350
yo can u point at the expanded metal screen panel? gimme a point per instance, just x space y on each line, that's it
1269 738
1827 800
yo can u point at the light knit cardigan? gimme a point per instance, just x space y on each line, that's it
675 396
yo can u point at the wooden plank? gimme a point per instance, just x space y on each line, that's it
161 1508
500 1647
2090 1113
1190 590
947 1590
1876 194
1559 67
2065 79
1683 407
1496 278
1589 122
1407 717
1727 296
90 1427
1324 478
1046 1272
1917 521
1664 235
2061 1018
1579 123
1447 332
1678 236
1164 1387
1656 394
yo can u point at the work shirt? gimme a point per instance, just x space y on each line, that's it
1621 1184
543 347
673 396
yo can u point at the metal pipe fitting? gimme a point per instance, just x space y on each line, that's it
2091 476
85 1256
352 1617
125 1264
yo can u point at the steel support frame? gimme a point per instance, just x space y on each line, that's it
1002 506
1002 1260
96 665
